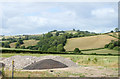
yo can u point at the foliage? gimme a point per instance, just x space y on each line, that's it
22 47
17 45
113 45
116 29
48 41
20 41
60 48
4 44
77 51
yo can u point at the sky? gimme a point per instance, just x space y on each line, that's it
18 18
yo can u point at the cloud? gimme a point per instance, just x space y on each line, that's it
104 12
29 18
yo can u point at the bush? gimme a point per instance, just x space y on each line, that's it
77 51
93 53
116 48
111 46
106 46
20 41
109 54
52 49
60 48
17 45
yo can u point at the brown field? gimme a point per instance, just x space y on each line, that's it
91 42
114 34
26 43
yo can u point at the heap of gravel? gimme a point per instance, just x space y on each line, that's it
45 64
20 62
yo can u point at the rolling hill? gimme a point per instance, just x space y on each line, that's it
26 43
90 42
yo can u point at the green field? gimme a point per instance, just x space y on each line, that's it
101 51
89 60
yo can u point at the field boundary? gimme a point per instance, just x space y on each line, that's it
43 52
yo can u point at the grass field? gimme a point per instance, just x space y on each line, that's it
101 51
89 65
91 42
87 60
26 43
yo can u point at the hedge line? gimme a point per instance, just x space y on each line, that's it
29 51
40 52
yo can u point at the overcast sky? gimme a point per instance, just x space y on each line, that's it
40 17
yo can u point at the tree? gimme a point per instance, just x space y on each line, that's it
117 48
106 46
57 33
44 48
52 49
73 29
48 35
20 41
77 51
111 46
78 30
112 31
6 45
116 29
17 45
60 48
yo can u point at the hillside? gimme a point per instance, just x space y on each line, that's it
26 43
89 42
115 34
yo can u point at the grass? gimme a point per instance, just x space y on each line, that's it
26 43
89 60
30 42
43 74
101 51
110 62
90 42
115 34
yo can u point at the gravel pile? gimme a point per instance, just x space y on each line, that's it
20 62
45 64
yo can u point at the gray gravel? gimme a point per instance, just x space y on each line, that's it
21 62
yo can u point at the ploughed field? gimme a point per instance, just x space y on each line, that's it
90 42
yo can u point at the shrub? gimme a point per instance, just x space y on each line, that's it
116 48
95 60
60 48
20 41
77 51
17 45
111 46
106 46
109 54
52 49
93 53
